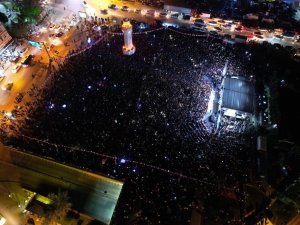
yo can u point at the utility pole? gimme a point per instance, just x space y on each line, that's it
50 60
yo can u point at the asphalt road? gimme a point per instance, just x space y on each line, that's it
92 194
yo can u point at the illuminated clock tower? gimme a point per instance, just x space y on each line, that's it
128 47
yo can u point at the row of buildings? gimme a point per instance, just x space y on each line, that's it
5 38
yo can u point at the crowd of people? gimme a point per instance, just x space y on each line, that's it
146 110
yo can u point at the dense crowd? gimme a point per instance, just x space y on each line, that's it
148 108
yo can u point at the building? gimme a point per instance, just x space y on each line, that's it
237 97
128 47
5 38
177 6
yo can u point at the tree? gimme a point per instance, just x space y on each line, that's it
3 18
61 204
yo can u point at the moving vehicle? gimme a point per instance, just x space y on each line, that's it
16 68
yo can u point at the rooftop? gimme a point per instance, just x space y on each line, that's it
238 94
90 193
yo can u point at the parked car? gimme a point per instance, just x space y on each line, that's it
213 33
218 29
277 36
289 35
259 36
226 27
175 15
163 14
186 17
112 6
212 23
238 29
257 33
138 11
125 8
199 22
199 29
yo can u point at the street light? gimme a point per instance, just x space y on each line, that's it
39 46
46 51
